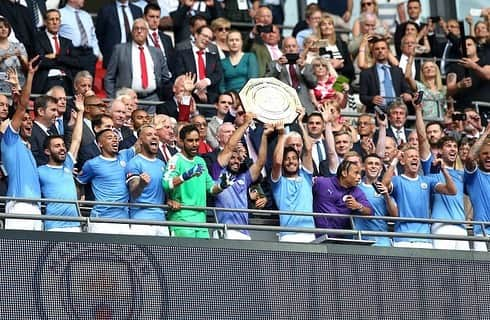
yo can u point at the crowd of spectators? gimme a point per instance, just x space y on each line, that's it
154 144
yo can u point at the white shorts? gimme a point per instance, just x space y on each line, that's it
413 244
67 229
297 237
138 229
112 228
453 230
23 208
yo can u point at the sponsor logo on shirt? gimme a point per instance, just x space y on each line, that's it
423 185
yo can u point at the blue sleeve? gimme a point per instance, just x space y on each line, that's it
426 164
10 136
132 169
87 173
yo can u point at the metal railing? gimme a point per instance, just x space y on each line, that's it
355 233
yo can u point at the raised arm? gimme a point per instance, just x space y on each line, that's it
21 107
408 74
471 161
333 160
424 147
262 157
278 152
76 138
225 155
307 157
449 187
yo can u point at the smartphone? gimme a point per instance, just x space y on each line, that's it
435 19
375 186
436 168
484 115
381 114
264 29
292 57
419 98
458 116
325 53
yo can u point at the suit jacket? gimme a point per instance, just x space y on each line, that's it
263 57
21 22
108 30
187 44
182 15
168 47
37 144
369 85
306 81
186 63
120 71
42 7
169 108
390 133
64 61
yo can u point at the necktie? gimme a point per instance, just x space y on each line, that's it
81 28
399 138
59 126
155 39
52 131
127 29
389 91
144 72
294 77
319 151
200 64
57 48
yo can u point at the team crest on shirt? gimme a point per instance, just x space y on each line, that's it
122 163
171 166
67 170
423 185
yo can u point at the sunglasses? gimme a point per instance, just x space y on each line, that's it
366 4
240 113
223 29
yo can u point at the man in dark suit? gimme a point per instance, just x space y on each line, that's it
37 12
204 64
113 25
129 67
195 23
165 132
382 83
397 118
160 41
408 49
297 74
187 9
46 111
55 66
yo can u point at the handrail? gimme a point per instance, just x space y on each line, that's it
225 227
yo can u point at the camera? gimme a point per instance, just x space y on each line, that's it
326 53
264 29
292 57
458 116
